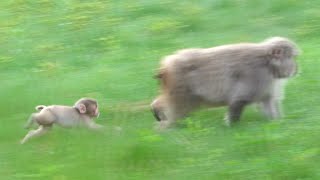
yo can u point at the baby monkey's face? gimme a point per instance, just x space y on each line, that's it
95 111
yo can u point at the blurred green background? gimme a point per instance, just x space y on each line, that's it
54 52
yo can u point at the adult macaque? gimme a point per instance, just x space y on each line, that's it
234 75
83 112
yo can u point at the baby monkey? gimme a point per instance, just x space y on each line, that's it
82 113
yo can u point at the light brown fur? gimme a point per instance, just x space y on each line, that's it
232 75
82 113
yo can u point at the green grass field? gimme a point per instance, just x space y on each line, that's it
54 52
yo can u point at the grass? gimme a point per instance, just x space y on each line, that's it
54 52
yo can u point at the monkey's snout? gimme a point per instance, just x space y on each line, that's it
157 109
155 114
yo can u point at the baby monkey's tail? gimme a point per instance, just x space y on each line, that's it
31 118
40 107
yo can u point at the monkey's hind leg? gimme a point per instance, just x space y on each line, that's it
34 133
30 121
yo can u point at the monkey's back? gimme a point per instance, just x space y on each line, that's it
211 73
65 116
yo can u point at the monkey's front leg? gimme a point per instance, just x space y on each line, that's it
95 126
164 124
92 125
234 112
170 117
271 108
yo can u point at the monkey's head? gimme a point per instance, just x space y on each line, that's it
158 109
87 106
281 56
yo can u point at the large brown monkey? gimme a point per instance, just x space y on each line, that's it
83 112
232 75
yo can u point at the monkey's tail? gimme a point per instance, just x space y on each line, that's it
40 107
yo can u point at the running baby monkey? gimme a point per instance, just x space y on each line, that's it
82 113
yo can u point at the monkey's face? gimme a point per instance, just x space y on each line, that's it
292 66
157 108
93 110
284 68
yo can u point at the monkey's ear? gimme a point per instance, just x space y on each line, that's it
82 108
